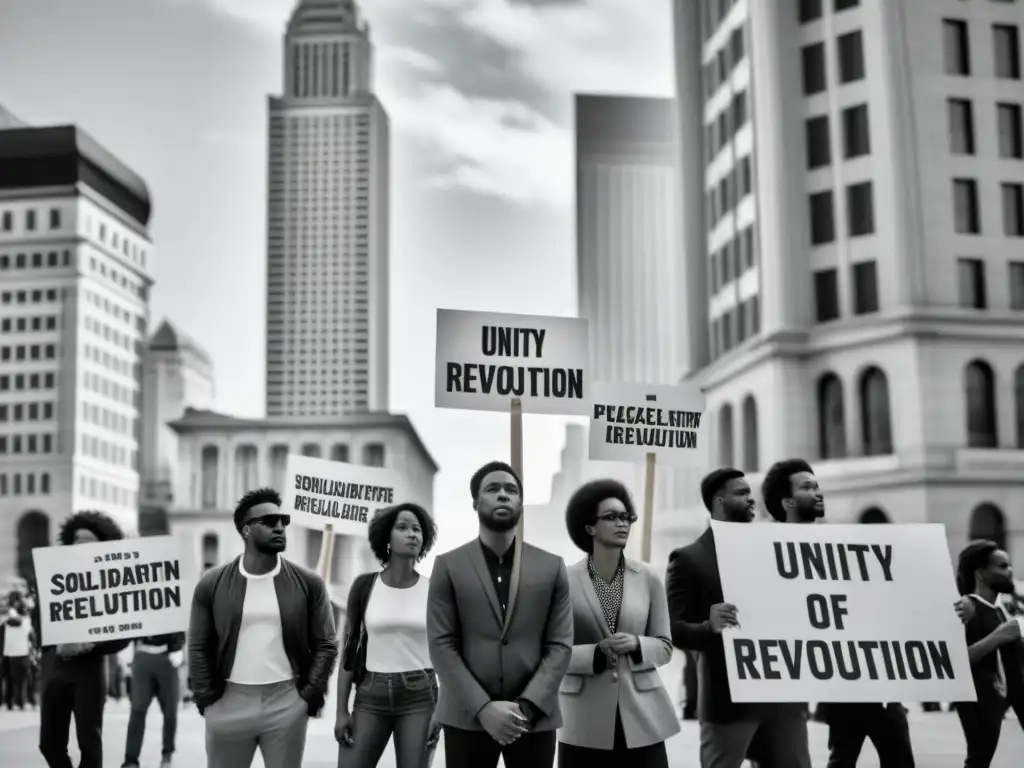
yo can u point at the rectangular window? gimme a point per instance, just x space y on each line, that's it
748 246
860 208
843 5
961 126
1017 285
966 214
744 180
971 283
736 51
956 51
865 288
741 322
55 218
814 68
856 132
1011 131
739 111
30 220
808 10
727 337
819 150
823 224
1006 45
1013 209
826 296
754 315
851 57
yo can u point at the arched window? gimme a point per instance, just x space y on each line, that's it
1018 387
312 450
278 465
210 460
876 425
211 551
33 531
339 452
873 515
980 385
246 470
831 418
750 447
373 455
988 522
726 455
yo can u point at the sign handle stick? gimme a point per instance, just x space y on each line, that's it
516 443
323 566
645 552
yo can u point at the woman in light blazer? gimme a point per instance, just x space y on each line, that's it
615 710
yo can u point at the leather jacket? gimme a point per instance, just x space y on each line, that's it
307 621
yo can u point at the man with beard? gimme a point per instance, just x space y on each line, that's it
500 660
993 646
792 495
774 734
261 645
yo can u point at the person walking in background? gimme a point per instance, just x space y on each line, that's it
385 651
774 734
500 650
615 710
73 677
17 650
261 645
155 675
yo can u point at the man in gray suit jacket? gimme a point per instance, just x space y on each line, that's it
500 650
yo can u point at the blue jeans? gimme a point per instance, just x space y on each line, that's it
399 703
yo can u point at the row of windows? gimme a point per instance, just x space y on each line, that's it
21 381
110 361
956 49
731 189
733 259
34 260
26 444
111 453
115 311
850 62
855 136
118 278
967 218
28 297
973 284
108 419
107 333
17 412
1009 129
717 71
735 326
101 490
18 484
101 385
25 324
864 286
860 213
31 220
19 352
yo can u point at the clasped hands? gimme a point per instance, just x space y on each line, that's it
617 645
504 721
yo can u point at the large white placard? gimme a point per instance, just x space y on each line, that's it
629 421
485 360
318 493
110 590
841 613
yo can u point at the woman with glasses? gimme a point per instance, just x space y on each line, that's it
385 651
615 710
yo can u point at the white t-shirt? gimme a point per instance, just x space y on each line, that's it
260 657
396 628
16 642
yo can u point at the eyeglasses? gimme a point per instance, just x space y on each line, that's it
271 521
619 517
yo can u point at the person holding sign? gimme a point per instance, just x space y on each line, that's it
73 681
154 674
261 645
615 709
983 574
385 650
500 660
775 733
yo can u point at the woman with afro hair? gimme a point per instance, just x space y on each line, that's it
73 673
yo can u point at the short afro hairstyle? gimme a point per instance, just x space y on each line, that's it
254 499
777 485
714 481
582 509
974 557
102 526
492 466
383 522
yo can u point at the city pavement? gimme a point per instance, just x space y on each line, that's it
938 742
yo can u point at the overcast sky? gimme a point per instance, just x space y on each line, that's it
479 93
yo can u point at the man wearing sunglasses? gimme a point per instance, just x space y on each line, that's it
261 645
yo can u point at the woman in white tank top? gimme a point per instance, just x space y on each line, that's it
384 649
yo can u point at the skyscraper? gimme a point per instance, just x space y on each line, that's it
853 210
327 220
75 274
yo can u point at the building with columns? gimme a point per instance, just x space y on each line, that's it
220 457
852 202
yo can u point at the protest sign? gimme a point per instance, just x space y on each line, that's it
485 360
841 613
111 590
319 493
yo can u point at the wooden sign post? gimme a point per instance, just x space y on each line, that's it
323 566
516 460
645 549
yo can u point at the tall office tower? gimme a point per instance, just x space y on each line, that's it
852 187
75 275
327 228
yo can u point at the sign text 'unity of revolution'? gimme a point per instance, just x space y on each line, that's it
485 360
319 492
823 613
629 421
111 590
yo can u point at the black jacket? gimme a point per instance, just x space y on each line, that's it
353 658
307 621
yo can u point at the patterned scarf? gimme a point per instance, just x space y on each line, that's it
609 595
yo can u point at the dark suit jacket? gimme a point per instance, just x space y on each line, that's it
477 657
693 585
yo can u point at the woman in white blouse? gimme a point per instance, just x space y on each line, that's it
384 649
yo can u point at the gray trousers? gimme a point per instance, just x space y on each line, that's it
777 743
272 717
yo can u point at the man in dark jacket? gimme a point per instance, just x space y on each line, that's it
73 675
261 645
154 674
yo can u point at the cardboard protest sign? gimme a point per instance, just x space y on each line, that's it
110 590
630 421
841 613
485 360
320 493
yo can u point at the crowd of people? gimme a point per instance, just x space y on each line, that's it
504 649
